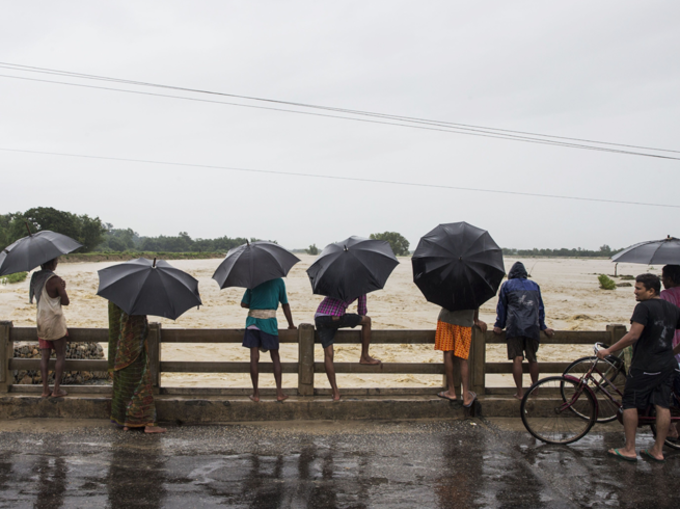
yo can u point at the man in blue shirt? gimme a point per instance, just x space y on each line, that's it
520 311
262 329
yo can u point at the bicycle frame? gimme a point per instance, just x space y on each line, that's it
644 419
577 394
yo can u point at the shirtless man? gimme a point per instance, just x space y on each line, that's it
50 293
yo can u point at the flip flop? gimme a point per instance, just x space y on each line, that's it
442 395
648 455
615 453
474 398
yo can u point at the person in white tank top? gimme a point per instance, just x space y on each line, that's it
50 292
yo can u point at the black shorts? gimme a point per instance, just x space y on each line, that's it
255 338
326 326
520 344
643 390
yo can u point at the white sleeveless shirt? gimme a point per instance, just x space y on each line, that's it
50 321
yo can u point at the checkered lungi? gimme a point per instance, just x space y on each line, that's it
453 338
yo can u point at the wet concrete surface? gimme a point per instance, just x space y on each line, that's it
440 464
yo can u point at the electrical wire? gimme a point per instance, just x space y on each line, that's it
417 122
337 177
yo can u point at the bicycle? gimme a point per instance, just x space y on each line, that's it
563 409
611 373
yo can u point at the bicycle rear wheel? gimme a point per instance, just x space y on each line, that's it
610 373
557 410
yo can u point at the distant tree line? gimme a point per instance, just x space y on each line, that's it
604 251
89 231
129 240
103 237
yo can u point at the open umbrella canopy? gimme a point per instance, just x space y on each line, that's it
254 263
143 287
660 252
30 252
458 266
353 267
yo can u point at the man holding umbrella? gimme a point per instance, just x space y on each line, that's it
262 329
345 272
332 315
50 294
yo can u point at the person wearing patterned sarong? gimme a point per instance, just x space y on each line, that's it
132 404
453 337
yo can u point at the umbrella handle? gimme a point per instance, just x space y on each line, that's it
28 228
154 263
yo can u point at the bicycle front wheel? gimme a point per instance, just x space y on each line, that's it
610 375
557 410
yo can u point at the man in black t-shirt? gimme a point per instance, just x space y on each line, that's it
651 372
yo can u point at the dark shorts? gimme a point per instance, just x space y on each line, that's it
644 390
326 326
520 344
255 338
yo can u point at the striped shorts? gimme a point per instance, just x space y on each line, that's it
453 338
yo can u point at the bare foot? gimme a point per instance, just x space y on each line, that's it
254 398
282 397
154 429
125 428
517 396
336 396
59 394
46 394
369 360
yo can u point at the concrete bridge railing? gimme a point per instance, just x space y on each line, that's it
305 368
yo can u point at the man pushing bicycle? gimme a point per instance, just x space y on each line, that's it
652 369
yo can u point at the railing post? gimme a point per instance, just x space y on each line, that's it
306 359
6 354
154 345
617 331
477 361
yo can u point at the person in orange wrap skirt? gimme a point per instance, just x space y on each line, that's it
454 335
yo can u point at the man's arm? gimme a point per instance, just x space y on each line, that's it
478 322
631 337
57 287
289 315
501 311
245 301
362 309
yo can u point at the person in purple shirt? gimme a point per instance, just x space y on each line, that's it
332 315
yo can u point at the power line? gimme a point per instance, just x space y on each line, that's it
453 127
483 134
336 177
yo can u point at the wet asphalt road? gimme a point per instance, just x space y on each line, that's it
460 464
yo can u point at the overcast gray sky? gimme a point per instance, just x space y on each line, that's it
602 70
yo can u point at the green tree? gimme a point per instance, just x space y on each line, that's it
86 230
398 243
312 250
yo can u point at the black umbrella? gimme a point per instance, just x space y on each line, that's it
29 252
254 263
351 268
458 266
143 287
660 252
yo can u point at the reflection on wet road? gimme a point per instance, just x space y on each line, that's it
325 465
